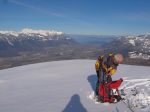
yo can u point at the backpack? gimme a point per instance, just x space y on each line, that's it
108 92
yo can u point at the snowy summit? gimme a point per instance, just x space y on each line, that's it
41 32
29 37
31 32
66 86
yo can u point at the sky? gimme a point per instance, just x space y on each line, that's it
98 17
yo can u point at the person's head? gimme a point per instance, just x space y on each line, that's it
118 58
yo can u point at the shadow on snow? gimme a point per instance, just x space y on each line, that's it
92 79
74 105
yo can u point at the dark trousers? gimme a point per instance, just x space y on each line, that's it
98 82
102 77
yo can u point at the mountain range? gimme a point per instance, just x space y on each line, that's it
29 39
30 46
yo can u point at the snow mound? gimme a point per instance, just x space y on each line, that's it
137 93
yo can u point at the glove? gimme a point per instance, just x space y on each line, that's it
111 71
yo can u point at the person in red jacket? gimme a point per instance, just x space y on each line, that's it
106 66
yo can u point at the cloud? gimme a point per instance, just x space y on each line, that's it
68 18
18 2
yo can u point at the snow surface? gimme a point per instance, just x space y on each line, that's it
132 42
65 86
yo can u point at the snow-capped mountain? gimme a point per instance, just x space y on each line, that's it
141 46
32 39
41 35
65 86
31 32
137 47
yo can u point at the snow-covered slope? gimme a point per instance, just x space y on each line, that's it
65 86
141 46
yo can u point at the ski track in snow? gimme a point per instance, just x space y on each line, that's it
135 83
137 94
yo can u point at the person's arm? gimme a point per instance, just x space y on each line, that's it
111 67
112 71
97 65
